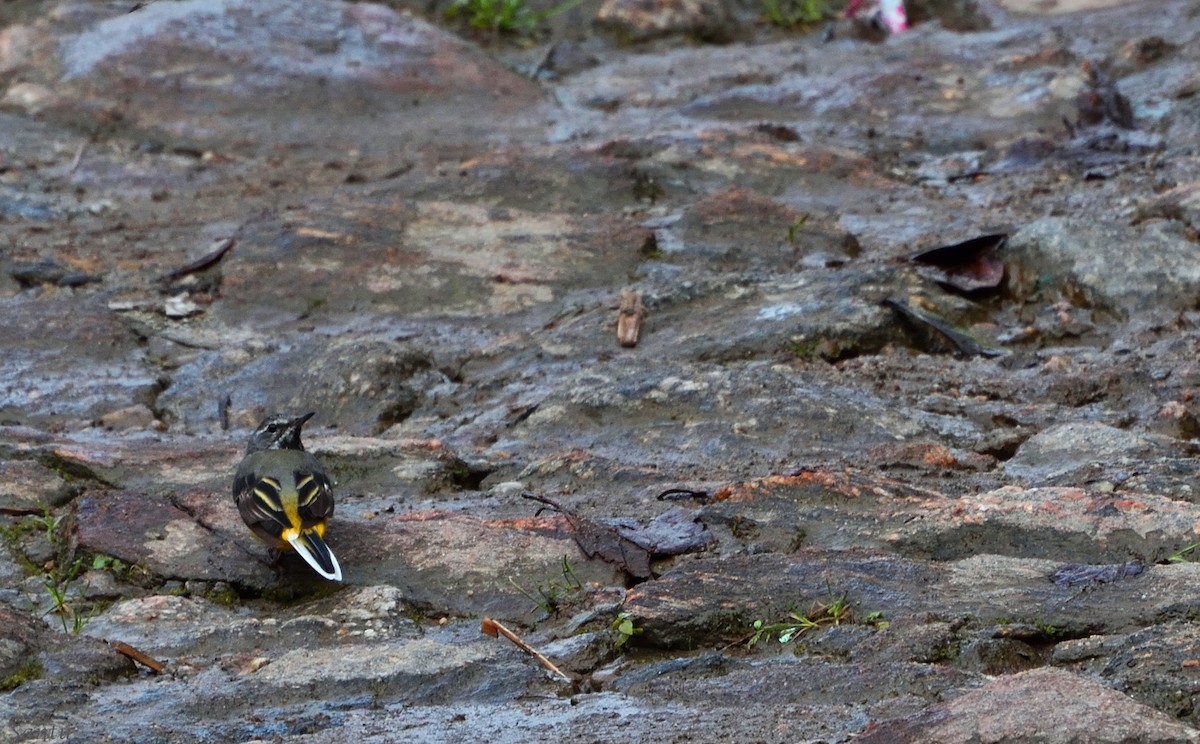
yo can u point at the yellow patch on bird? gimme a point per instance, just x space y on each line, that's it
294 532
291 510
267 491
308 488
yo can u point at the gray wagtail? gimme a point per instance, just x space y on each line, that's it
284 495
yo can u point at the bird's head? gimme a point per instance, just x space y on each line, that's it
278 431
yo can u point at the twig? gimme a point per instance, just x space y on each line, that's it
205 262
495 630
149 662
629 317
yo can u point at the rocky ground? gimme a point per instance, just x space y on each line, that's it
844 486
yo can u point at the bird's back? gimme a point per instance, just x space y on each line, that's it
299 475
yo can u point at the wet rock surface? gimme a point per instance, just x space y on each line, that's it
831 493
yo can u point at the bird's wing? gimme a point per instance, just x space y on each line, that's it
314 495
259 499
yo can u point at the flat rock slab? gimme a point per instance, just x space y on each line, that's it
258 76
185 632
60 334
691 413
466 565
701 605
438 256
32 651
361 386
1115 267
187 537
1087 451
300 669
1045 705
140 460
448 563
842 509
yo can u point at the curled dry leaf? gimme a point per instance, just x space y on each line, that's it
969 266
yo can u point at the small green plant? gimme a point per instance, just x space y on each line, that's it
108 563
798 225
835 611
625 627
789 14
498 16
876 620
57 575
29 670
47 522
511 17
1046 628
1184 555
58 585
552 595
805 348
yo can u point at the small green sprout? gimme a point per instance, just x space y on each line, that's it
835 611
790 14
626 629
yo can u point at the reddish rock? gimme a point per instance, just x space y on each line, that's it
1044 705
193 536
466 565
445 562
1067 524
131 417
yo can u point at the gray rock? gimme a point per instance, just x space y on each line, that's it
32 654
344 66
1087 453
432 235
82 333
701 605
1109 267
29 486
1156 666
361 386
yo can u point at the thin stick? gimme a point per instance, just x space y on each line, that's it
149 662
495 629
629 317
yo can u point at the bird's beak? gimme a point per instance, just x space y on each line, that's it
299 420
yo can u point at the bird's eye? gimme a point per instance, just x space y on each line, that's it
272 428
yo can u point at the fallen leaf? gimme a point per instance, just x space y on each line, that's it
969 266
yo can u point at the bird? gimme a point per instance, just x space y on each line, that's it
887 13
284 495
